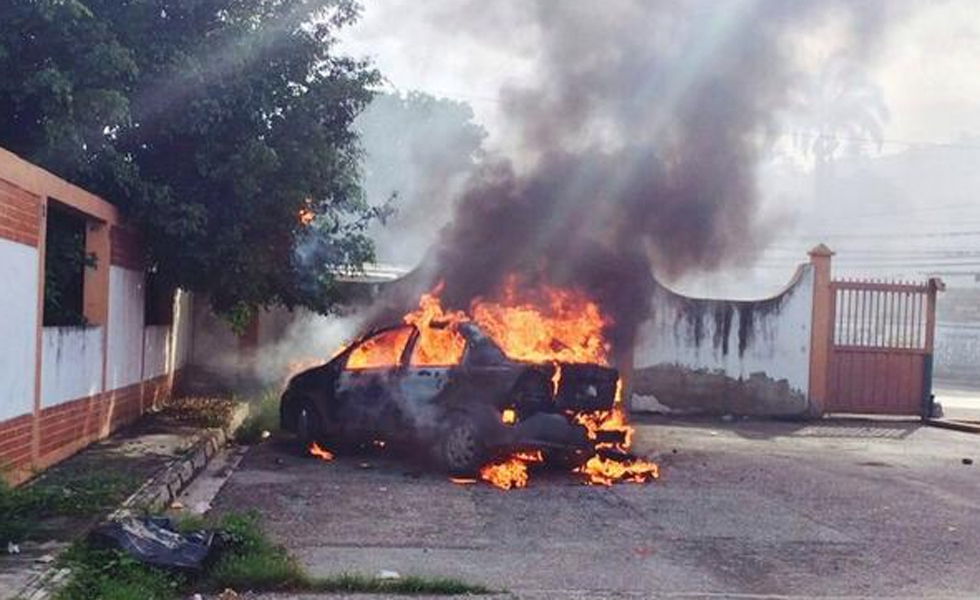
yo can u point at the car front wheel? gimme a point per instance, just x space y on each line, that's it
462 446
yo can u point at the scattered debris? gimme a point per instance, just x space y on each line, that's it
201 410
388 575
967 461
13 548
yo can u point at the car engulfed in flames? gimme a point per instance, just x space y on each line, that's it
488 393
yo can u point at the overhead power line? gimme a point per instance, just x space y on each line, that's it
882 141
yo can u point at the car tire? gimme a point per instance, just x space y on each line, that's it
462 449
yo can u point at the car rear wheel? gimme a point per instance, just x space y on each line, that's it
462 446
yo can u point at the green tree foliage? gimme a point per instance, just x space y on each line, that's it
211 123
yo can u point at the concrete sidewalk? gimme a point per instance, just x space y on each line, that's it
959 404
147 463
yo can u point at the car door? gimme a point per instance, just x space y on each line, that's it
368 382
433 354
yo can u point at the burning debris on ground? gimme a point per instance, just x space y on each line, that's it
516 381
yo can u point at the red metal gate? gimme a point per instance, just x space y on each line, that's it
881 347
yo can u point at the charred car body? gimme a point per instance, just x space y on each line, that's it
481 405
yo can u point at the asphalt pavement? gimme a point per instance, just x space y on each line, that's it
746 509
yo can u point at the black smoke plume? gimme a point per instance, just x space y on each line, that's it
638 148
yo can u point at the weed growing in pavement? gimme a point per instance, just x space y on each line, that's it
359 584
263 416
250 561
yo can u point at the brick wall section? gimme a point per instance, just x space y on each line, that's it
15 442
20 219
69 422
67 428
85 420
126 248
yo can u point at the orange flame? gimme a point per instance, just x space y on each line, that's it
606 471
305 214
382 350
439 342
553 325
511 472
556 379
322 454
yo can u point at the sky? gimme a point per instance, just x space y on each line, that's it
926 66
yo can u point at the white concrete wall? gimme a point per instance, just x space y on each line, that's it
157 352
18 328
71 364
126 314
215 347
183 332
733 341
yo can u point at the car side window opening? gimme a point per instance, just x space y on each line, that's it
382 350
438 347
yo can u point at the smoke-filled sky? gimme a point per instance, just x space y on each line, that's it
695 122
926 63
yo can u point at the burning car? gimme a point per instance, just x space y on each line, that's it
447 386
513 382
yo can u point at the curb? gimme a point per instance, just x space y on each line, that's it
954 425
163 488
156 493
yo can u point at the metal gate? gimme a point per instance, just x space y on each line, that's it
881 348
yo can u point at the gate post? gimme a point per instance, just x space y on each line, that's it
821 329
928 401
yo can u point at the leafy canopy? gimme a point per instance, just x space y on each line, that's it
212 123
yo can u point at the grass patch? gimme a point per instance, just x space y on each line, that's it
246 561
263 415
58 495
359 584
249 561
114 575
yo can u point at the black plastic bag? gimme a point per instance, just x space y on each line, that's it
155 541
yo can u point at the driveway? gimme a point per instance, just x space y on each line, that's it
761 509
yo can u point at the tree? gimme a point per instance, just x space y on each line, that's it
213 124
